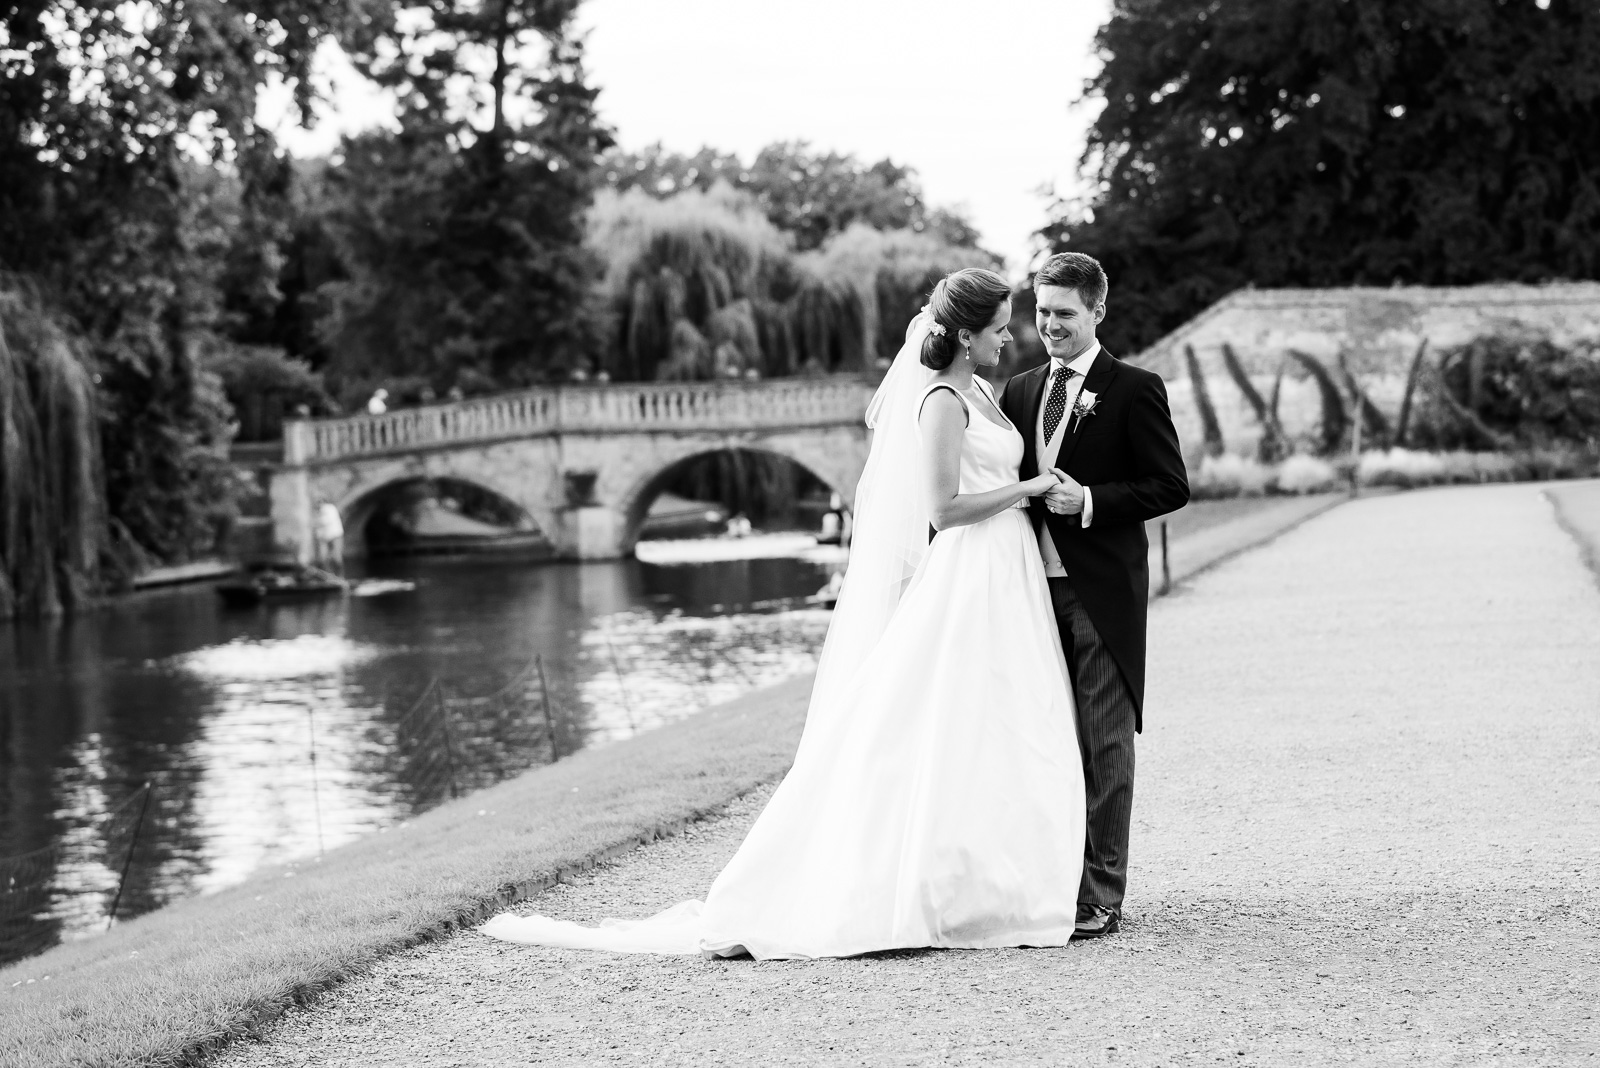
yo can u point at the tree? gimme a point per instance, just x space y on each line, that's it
703 285
127 143
812 195
462 235
1318 143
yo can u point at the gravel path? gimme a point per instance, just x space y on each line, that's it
1367 831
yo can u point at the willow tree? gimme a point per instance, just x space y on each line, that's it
701 285
687 284
52 493
893 271
704 285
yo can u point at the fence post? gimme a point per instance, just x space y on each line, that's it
316 793
127 861
449 743
1166 566
549 721
1355 441
622 685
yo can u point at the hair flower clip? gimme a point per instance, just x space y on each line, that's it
935 327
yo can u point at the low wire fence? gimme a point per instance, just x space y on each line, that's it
447 744
453 743
74 884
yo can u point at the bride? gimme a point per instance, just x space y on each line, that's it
937 795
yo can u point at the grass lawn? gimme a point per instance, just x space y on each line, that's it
165 988
1200 515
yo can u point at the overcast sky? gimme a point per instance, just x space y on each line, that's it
976 97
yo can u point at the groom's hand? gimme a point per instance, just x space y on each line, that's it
1067 497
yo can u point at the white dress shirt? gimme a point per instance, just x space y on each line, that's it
1047 451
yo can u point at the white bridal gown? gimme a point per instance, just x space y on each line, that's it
938 803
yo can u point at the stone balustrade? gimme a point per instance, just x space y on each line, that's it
630 408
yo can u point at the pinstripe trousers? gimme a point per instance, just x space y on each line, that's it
1105 735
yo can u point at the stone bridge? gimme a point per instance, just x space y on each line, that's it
584 462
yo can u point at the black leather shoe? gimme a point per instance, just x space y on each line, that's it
1096 921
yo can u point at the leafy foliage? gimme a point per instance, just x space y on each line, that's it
1511 392
812 195
1211 428
1334 427
703 285
1376 432
1274 445
263 386
52 501
1309 143
1408 397
460 238
132 183
694 286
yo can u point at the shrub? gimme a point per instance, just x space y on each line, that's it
1542 464
1306 474
1228 475
1409 468
1511 391
264 386
1402 467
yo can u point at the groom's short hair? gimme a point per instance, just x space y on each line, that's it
1074 270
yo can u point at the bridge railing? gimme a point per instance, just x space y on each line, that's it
652 406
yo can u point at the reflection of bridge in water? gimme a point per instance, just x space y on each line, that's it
584 462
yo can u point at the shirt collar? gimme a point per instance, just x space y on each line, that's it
1081 364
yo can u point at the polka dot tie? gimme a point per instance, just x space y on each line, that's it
1055 405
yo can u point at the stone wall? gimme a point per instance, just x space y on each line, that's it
1377 330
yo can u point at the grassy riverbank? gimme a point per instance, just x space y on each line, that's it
165 988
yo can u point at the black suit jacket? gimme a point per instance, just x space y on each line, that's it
1126 452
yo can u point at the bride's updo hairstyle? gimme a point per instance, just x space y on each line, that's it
964 300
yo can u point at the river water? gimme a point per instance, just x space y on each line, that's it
268 734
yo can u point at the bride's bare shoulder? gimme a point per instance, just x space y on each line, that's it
941 402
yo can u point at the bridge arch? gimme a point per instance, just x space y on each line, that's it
357 488
634 505
367 517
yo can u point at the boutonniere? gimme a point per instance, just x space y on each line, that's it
1083 406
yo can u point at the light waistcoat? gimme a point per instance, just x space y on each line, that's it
1047 451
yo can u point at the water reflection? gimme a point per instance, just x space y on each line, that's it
654 669
270 733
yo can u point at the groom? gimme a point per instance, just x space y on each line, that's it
1106 426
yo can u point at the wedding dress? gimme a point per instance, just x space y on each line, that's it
936 798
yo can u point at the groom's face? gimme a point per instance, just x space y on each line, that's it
1065 323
